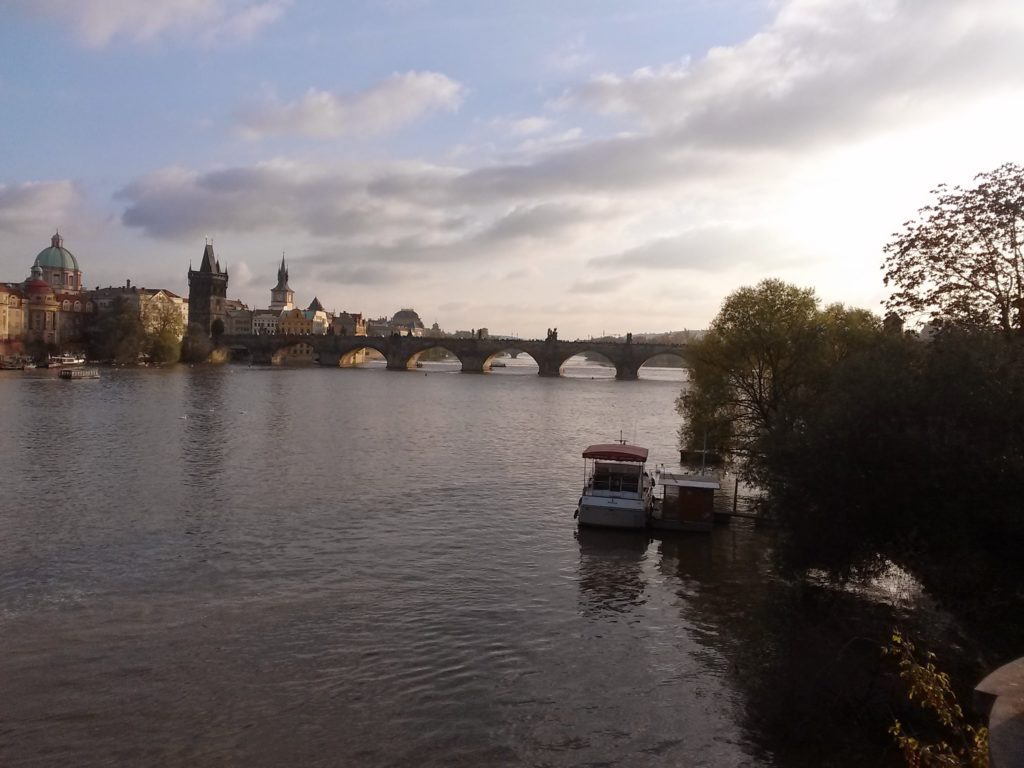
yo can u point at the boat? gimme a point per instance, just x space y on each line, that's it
684 501
618 492
65 359
79 373
16 364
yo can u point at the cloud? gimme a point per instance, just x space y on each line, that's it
98 22
602 285
823 71
570 56
706 249
546 221
176 203
34 207
522 126
390 104
360 274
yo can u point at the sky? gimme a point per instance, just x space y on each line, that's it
591 165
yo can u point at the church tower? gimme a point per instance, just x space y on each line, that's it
282 297
207 294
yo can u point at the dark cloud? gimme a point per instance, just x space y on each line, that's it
177 204
545 221
706 249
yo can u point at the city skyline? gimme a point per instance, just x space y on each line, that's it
586 166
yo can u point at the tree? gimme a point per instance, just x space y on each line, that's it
911 454
117 335
957 744
164 326
961 259
196 346
768 347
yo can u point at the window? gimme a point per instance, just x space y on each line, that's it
66 306
78 306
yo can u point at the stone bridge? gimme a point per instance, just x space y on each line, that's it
476 355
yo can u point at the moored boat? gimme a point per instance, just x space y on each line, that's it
66 359
617 490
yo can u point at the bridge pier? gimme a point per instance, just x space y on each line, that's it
474 363
329 359
627 372
548 367
400 362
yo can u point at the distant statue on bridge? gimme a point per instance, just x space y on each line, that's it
552 334
629 338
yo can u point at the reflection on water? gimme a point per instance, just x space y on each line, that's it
271 567
611 570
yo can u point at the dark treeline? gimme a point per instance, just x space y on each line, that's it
911 452
878 447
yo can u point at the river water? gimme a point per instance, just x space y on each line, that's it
308 567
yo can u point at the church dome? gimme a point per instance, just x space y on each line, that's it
56 256
407 318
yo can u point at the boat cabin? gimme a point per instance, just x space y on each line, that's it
687 502
615 468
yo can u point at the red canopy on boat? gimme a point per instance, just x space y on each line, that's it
615 452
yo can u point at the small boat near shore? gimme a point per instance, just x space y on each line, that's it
16 364
619 492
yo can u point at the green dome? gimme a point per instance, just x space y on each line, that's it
56 256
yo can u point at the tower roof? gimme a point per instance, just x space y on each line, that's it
315 306
210 263
282 277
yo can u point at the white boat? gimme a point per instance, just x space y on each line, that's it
617 490
66 359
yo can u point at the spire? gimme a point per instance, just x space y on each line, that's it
282 276
209 263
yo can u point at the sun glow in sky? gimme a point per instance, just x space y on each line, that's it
586 164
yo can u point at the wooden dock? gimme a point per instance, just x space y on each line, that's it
74 374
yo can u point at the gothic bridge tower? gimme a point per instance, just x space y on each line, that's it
207 294
282 297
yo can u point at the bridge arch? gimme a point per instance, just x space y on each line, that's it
410 359
347 351
240 353
513 352
298 352
596 365
670 365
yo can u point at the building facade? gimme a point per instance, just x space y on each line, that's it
49 307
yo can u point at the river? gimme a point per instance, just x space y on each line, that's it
309 567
